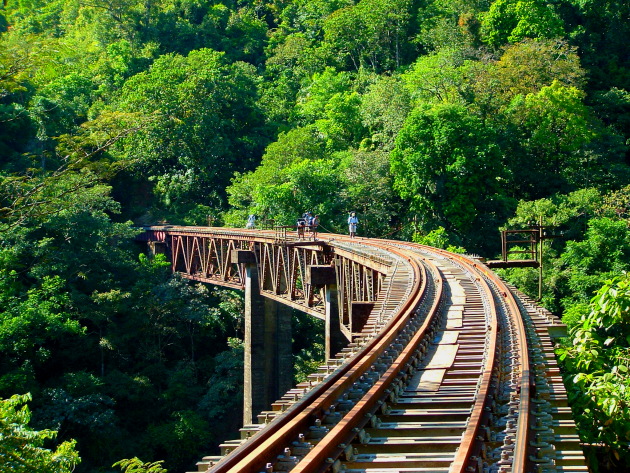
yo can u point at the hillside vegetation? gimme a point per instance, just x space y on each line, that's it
438 121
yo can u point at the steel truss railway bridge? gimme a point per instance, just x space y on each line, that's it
433 363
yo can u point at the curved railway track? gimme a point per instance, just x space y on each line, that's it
453 372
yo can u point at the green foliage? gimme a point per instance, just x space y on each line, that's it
436 78
29 324
597 361
289 64
384 108
598 28
181 438
135 465
307 361
285 185
553 140
307 185
604 252
573 221
205 117
308 345
308 16
367 189
514 20
437 238
77 313
448 25
370 33
529 65
22 449
281 188
323 87
616 204
436 120
569 212
447 165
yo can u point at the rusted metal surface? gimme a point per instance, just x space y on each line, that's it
499 264
205 255
438 377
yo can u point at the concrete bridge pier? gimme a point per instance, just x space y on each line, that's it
335 339
324 275
268 355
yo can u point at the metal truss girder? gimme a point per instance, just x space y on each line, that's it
283 268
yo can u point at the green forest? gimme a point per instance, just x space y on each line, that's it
440 122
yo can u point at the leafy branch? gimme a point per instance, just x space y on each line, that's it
135 465
40 194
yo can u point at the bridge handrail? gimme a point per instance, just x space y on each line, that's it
267 236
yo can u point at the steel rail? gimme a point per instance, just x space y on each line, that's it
332 445
270 442
521 442
342 433
466 449
334 442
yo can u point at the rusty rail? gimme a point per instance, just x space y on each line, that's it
282 431
343 432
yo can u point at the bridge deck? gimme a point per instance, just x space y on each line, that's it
437 378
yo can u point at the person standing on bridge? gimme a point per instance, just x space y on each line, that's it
314 225
301 224
353 221
251 221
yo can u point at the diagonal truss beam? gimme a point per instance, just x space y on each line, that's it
205 256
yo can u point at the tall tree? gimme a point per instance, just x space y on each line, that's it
510 21
447 165
207 125
371 34
553 137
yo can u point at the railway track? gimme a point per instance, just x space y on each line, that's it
453 372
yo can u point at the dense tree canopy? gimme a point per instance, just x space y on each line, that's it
438 121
